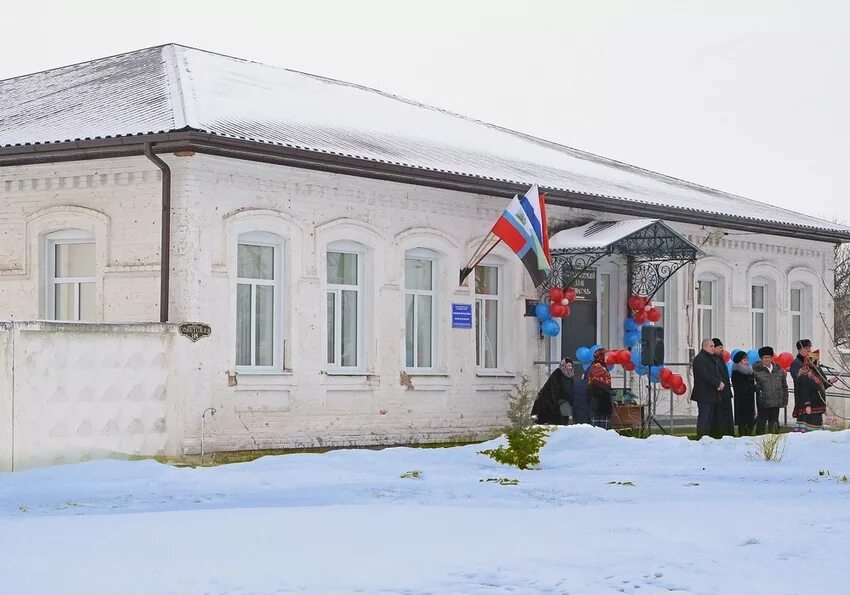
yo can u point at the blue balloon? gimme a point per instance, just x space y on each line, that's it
542 312
641 370
636 357
729 367
586 366
630 325
631 339
583 354
550 328
753 355
594 349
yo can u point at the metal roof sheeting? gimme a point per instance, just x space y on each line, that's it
174 87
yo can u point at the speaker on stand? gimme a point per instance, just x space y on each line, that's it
651 354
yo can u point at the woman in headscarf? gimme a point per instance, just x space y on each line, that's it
809 398
744 385
599 391
557 390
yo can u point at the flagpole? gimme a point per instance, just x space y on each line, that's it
465 271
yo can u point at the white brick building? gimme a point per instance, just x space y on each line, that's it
297 204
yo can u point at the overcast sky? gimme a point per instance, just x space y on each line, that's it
748 96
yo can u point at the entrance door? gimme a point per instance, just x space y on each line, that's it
579 328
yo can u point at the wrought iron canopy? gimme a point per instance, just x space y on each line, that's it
653 251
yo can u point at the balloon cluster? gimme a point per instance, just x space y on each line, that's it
672 381
784 359
558 308
585 355
642 312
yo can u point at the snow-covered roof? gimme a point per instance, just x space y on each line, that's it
172 87
597 234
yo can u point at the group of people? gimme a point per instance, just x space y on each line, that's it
758 389
585 397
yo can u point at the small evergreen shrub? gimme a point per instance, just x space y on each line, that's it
523 450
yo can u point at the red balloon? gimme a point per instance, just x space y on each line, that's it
611 358
680 390
557 310
654 315
556 294
785 360
665 385
665 374
726 356
640 317
567 312
570 293
676 380
629 367
636 302
624 357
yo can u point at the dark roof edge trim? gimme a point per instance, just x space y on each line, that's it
211 144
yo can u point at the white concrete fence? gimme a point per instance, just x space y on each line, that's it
75 391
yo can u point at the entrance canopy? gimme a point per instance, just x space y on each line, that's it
653 251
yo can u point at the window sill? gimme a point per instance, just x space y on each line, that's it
355 373
413 373
261 373
494 374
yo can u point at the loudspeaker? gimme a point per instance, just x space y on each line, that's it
652 345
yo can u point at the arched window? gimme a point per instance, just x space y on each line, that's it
488 314
800 310
345 263
71 275
259 296
420 336
759 312
707 298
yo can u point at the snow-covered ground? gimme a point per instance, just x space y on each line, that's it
605 514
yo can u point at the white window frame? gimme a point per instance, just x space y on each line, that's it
665 303
711 307
433 257
262 238
481 299
58 238
804 313
763 311
346 247
614 339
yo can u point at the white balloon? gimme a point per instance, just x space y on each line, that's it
565 301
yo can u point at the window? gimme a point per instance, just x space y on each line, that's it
801 312
487 314
71 272
758 310
419 308
705 309
344 305
258 301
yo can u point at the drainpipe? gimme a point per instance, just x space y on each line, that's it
165 248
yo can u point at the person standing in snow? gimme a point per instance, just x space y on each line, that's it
708 384
772 391
744 385
599 391
809 397
549 406
724 422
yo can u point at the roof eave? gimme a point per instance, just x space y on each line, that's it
211 144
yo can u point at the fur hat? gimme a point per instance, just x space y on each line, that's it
736 359
766 351
803 343
717 342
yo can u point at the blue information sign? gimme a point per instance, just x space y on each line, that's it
461 315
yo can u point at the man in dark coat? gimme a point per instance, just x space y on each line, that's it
772 391
708 384
723 423
558 389
804 349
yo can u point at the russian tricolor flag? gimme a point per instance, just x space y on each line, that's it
523 228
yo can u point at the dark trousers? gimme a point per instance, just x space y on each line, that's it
746 429
770 417
705 417
723 423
